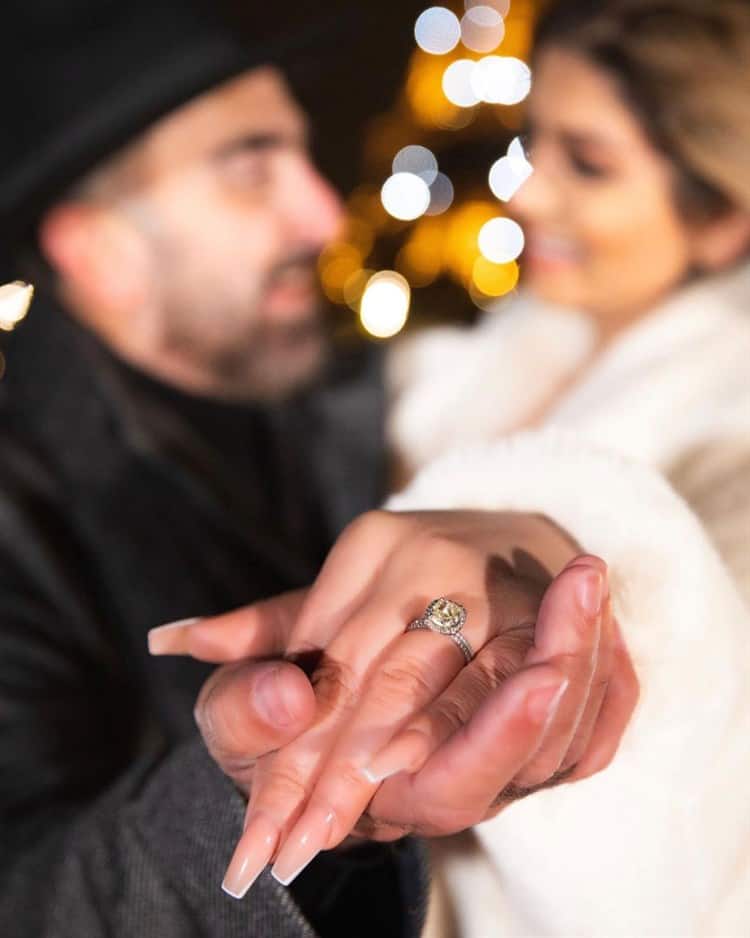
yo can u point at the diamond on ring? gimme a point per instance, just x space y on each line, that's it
447 618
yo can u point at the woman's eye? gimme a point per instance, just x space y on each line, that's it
587 168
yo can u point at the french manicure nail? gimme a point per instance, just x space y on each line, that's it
392 760
542 705
309 836
591 593
159 639
253 854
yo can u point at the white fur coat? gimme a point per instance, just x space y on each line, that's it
659 843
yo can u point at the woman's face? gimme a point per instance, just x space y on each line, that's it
603 233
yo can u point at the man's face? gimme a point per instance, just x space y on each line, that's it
234 215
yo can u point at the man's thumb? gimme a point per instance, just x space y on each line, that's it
249 709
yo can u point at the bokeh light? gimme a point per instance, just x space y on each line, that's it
437 31
500 79
405 196
482 29
336 265
458 83
502 6
495 280
510 172
384 309
501 240
441 195
15 300
417 160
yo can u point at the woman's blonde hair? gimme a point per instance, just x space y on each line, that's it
684 68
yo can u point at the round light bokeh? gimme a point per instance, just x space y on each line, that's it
441 195
482 29
417 160
501 240
502 6
510 172
405 196
384 309
458 85
437 31
15 299
500 79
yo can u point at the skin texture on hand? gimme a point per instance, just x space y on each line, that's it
405 736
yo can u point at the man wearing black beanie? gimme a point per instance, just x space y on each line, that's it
158 188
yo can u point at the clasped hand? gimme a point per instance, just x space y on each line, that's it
357 727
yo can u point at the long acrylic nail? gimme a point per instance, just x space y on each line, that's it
310 835
542 705
398 756
161 640
252 855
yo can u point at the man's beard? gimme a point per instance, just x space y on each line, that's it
245 352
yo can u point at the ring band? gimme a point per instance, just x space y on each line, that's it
446 617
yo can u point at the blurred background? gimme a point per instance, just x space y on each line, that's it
410 132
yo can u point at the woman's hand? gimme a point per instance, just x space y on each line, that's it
406 735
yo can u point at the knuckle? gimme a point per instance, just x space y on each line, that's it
405 681
370 523
335 685
283 783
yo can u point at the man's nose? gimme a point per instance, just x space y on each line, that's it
314 210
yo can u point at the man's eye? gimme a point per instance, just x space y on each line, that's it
246 169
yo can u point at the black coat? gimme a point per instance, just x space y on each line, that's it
116 515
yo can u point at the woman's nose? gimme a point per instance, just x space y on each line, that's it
539 198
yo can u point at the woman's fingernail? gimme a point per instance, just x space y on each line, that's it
252 855
396 757
276 699
542 705
163 640
310 835
591 593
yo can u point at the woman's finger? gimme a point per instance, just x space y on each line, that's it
567 637
255 631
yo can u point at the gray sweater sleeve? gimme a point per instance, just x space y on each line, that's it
145 859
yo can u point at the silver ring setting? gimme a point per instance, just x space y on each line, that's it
446 617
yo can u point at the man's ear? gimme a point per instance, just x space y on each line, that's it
100 258
720 243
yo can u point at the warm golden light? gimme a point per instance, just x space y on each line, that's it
15 300
495 279
385 304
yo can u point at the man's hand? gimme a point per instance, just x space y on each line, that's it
405 737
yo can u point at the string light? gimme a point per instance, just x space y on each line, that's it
417 160
510 172
458 83
500 79
385 304
405 196
501 240
482 29
15 300
437 31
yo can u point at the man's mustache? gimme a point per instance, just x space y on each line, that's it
307 261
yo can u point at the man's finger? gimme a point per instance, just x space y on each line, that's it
459 782
247 710
623 691
262 629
